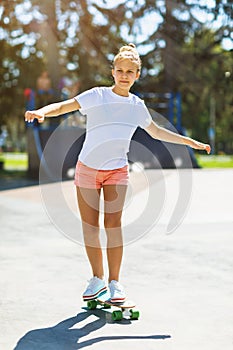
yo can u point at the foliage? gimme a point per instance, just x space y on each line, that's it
206 76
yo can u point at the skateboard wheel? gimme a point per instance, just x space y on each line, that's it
107 306
134 314
91 304
117 315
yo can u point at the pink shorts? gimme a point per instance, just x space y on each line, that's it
93 178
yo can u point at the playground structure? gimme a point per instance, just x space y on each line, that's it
169 102
67 133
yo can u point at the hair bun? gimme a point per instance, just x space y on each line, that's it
128 47
132 45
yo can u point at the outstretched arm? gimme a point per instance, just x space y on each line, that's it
162 134
52 110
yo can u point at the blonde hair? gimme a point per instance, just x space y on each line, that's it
129 52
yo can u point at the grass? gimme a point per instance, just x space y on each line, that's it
18 162
215 161
14 161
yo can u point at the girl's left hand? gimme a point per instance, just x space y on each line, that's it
208 149
202 146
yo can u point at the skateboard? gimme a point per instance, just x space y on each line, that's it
126 309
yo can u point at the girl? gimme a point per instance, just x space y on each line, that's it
113 114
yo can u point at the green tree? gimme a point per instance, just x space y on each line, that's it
208 76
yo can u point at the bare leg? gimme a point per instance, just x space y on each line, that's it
88 201
114 197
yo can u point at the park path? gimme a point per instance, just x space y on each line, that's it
182 282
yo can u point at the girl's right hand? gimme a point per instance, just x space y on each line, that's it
31 115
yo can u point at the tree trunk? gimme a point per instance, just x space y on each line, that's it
169 56
49 42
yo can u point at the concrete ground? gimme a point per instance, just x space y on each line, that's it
181 282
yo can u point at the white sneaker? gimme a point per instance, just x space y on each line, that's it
95 289
117 292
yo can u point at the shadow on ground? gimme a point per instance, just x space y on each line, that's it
64 337
15 179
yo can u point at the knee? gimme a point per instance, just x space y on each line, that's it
90 228
112 221
91 235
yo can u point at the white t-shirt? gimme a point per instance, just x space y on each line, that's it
111 123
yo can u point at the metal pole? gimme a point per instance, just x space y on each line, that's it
212 123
